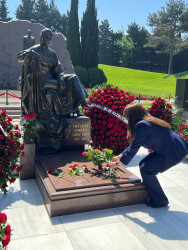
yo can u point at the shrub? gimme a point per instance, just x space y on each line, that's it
106 130
96 76
5 231
81 72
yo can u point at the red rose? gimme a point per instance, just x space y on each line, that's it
22 154
4 185
84 153
50 170
5 175
3 218
34 115
25 116
18 169
13 167
3 113
3 159
2 137
22 146
12 179
6 240
16 127
8 229
2 168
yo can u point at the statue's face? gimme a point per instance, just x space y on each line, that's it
45 38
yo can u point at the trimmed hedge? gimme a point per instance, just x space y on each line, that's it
81 72
96 76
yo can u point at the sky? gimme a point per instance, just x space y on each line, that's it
120 13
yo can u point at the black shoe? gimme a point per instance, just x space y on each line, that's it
151 204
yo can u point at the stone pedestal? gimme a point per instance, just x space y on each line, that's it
181 96
28 162
89 192
80 132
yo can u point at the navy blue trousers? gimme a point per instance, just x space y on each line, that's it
149 168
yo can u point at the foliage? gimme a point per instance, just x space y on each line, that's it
142 82
56 22
96 76
106 130
127 49
90 36
75 170
41 11
81 72
5 231
73 34
168 24
25 10
4 12
183 131
28 126
9 163
161 109
100 157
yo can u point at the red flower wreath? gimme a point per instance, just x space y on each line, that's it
161 109
106 130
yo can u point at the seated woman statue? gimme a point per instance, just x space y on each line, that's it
49 93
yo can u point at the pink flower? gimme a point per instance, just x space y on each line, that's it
84 153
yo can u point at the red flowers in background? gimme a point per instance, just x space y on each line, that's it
183 131
106 130
8 163
29 126
5 231
161 109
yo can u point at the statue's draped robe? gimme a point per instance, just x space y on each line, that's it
50 94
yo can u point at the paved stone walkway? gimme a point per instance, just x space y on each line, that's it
124 228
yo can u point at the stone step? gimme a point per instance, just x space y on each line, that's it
10 107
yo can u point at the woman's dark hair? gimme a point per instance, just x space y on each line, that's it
135 112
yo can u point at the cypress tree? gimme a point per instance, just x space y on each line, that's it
4 11
90 36
73 34
42 13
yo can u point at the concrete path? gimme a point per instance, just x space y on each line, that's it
126 228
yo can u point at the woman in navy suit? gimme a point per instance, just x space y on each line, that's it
152 133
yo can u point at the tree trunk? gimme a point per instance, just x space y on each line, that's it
170 62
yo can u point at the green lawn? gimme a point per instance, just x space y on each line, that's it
142 82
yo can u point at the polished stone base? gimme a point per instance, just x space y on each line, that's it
89 192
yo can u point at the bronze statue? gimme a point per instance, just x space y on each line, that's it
49 93
28 41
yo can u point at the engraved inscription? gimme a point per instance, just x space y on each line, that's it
81 132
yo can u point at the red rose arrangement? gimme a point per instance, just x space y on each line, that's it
75 170
9 163
161 109
183 131
106 130
5 231
29 125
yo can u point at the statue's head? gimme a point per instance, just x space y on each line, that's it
29 32
45 36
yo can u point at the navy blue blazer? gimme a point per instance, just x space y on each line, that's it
162 141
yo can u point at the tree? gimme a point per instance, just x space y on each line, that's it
127 47
4 11
168 24
73 34
90 36
42 13
25 10
105 42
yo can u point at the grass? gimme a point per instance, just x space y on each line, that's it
142 82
